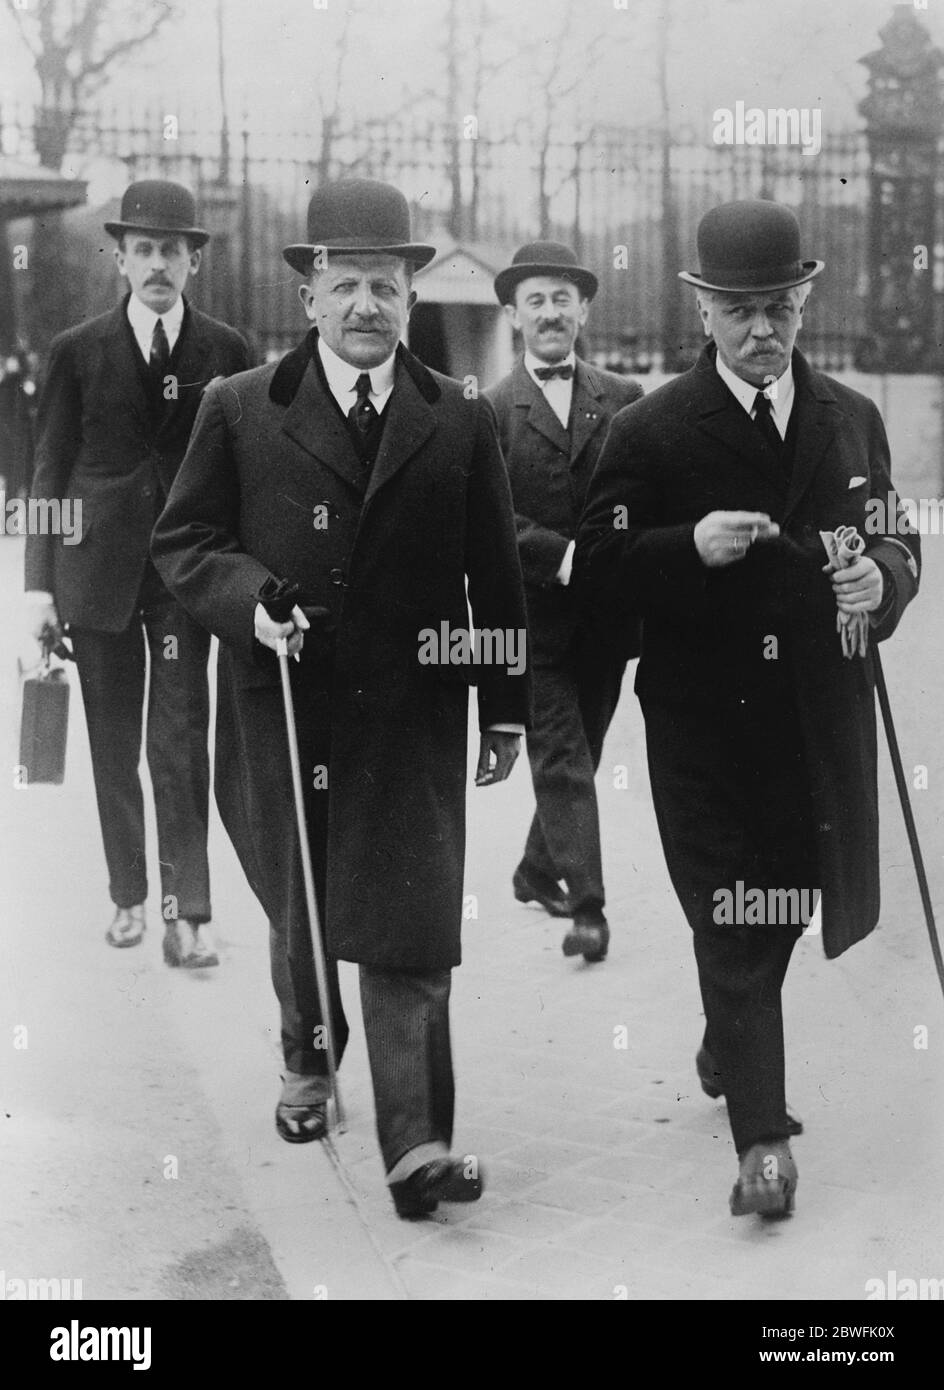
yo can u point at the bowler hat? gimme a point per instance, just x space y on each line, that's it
360 216
544 258
750 246
157 205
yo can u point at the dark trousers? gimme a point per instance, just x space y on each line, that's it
574 702
732 802
112 672
406 1012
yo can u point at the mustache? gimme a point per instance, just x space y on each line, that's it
548 325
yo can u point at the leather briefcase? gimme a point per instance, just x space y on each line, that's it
44 726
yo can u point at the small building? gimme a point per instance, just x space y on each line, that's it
457 326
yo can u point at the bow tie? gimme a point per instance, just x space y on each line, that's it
564 370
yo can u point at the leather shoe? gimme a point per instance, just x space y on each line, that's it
300 1124
550 896
186 944
588 937
441 1180
127 928
712 1085
766 1182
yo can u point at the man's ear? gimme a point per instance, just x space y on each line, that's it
195 259
304 294
412 297
511 313
583 310
119 256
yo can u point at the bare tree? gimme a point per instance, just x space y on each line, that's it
74 44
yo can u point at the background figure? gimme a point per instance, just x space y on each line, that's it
553 410
17 400
352 471
117 408
705 511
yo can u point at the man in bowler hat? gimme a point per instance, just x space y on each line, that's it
377 488
120 399
553 410
706 510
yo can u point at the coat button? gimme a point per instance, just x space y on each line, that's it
147 492
336 576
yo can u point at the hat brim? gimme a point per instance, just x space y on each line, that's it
301 255
507 281
195 234
810 270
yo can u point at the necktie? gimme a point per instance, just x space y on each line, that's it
564 370
160 349
362 413
764 421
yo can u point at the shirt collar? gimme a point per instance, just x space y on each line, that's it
143 319
532 363
781 393
342 377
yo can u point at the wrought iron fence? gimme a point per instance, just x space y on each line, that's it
628 200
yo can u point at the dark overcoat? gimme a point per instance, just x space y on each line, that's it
550 470
99 442
272 487
689 449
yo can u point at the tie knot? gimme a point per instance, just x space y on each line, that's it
762 405
362 387
564 370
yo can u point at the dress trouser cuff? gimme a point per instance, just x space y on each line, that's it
415 1158
298 1089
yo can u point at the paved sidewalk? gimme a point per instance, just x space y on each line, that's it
608 1171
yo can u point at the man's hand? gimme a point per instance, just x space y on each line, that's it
42 618
858 588
505 748
269 632
722 538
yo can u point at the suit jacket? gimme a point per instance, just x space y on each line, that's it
99 443
689 449
272 487
550 469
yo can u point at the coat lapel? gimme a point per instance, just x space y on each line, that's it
719 415
311 417
190 366
120 351
410 419
541 417
586 415
817 419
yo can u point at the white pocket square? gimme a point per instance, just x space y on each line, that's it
857 482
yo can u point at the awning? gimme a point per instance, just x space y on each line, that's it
28 189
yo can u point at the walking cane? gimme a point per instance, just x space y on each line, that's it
278 600
908 815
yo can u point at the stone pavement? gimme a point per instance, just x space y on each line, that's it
607 1169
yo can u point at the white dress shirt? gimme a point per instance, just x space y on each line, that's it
143 319
342 379
557 392
780 394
